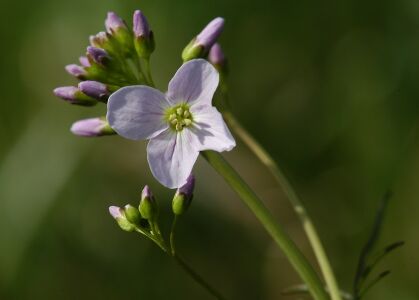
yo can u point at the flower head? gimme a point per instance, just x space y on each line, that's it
179 124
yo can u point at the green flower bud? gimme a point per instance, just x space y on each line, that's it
148 205
183 197
118 214
132 214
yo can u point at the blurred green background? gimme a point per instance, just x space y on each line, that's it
330 88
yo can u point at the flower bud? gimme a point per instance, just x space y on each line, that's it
95 89
217 58
143 36
76 71
92 127
116 27
84 61
73 95
148 205
183 197
98 55
114 23
118 214
132 214
202 43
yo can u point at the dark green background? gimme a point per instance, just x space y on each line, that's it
329 87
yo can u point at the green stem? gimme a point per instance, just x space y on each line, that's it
147 70
299 208
296 258
191 272
172 236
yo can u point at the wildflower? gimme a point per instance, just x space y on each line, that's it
179 124
95 89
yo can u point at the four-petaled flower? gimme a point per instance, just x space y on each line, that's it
179 124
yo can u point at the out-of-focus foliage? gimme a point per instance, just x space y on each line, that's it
329 87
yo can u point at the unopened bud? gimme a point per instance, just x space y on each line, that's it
84 61
132 214
143 36
183 197
118 214
202 43
92 127
73 95
217 58
148 205
98 55
117 28
76 71
95 89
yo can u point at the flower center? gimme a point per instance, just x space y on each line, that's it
179 116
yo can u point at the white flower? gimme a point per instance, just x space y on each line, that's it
178 124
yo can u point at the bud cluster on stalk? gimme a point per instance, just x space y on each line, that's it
112 60
144 217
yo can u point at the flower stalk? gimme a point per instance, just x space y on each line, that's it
296 258
295 201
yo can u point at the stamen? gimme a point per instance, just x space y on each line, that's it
179 111
187 122
186 113
174 121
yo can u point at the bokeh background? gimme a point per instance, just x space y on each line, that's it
330 88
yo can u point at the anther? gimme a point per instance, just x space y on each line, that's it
171 117
186 113
187 122
174 121
179 111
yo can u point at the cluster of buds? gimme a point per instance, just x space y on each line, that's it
119 57
143 219
113 60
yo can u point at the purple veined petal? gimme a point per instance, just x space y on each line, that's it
195 81
171 156
136 112
211 130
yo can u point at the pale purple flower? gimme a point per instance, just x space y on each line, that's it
140 25
76 70
216 55
178 124
113 22
90 127
210 33
94 89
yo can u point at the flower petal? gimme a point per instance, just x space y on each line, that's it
195 81
136 112
211 130
171 156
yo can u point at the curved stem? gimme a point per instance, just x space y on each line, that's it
299 208
296 258
191 272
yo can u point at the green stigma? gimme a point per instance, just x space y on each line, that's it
178 116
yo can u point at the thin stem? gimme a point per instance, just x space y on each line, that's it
296 258
172 235
147 70
192 273
298 206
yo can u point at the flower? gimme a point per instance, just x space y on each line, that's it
179 124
